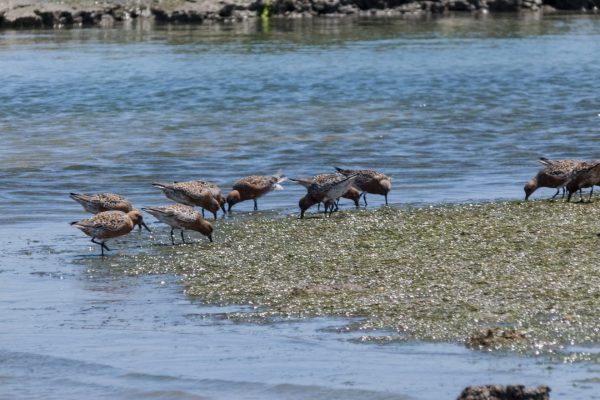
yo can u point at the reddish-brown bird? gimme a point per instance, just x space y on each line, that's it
107 225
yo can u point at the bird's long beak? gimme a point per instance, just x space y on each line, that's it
145 226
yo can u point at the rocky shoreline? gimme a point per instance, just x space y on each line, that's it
20 14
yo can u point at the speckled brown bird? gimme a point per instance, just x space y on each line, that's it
216 192
107 225
555 174
584 178
352 193
253 187
191 193
97 203
327 192
369 181
179 216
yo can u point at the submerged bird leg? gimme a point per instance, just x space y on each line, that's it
172 237
255 205
102 246
182 238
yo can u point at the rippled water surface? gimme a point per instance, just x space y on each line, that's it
454 109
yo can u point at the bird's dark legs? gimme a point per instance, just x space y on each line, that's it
564 190
102 245
182 238
385 195
591 192
172 237
365 198
255 205
555 194
203 213
215 214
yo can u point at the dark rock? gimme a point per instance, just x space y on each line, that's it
509 392
89 15
54 15
571 5
23 17
495 338
504 5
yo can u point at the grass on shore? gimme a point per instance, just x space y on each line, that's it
439 273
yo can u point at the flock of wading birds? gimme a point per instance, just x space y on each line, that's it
115 215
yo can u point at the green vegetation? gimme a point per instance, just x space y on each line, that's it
440 273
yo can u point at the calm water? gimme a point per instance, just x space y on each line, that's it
455 110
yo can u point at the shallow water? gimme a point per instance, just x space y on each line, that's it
454 109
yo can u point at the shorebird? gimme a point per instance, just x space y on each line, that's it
179 216
555 174
369 181
352 193
215 191
107 225
326 192
191 193
253 187
584 178
97 203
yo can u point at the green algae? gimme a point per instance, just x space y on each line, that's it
438 273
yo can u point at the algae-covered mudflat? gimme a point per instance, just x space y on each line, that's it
437 273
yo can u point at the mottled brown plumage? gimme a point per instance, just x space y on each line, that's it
97 203
191 193
253 187
352 193
555 174
584 178
179 216
369 181
108 224
326 191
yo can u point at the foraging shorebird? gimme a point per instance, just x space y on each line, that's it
352 193
326 192
584 178
179 216
191 193
107 225
253 187
369 181
215 191
555 174
97 203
